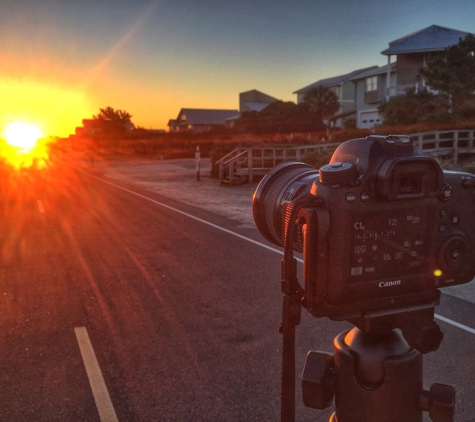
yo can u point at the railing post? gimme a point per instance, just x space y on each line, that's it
456 146
420 142
297 154
436 143
221 171
470 140
249 164
231 174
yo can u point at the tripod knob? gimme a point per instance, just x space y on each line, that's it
318 380
439 402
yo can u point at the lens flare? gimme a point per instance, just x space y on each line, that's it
23 146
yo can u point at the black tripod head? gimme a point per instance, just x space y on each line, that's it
375 372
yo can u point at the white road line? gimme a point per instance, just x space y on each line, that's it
96 380
41 208
188 215
279 251
455 324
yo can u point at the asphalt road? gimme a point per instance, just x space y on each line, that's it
180 313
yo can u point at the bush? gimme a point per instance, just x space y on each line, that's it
415 108
319 157
278 117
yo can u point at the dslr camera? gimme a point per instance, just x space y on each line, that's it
381 227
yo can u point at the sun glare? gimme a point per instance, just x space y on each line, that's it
23 145
22 135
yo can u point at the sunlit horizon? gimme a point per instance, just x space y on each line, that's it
56 109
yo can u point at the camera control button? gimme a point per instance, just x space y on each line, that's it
336 173
350 198
455 252
446 193
454 218
364 196
443 213
442 228
468 183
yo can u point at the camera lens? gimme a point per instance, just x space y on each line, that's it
282 183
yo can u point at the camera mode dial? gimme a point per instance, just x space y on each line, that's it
454 252
336 173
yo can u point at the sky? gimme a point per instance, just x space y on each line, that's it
63 60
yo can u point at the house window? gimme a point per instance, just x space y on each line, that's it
371 92
372 84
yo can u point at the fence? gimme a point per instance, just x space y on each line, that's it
246 164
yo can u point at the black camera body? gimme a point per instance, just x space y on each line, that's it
381 227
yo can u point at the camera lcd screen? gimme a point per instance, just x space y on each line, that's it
389 244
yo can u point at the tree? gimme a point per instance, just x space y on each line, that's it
453 72
323 102
112 123
413 107
278 117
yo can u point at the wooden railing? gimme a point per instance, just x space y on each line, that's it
245 164
447 143
249 163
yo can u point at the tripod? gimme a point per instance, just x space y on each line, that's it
375 373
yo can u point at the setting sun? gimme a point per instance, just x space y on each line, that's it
23 145
22 135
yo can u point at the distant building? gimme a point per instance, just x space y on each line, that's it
362 91
370 93
89 128
411 52
252 100
199 119
344 88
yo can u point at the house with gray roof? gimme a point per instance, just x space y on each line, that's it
370 93
411 52
343 87
252 100
199 119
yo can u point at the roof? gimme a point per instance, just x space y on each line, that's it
201 116
382 70
255 95
255 105
237 116
334 81
432 38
